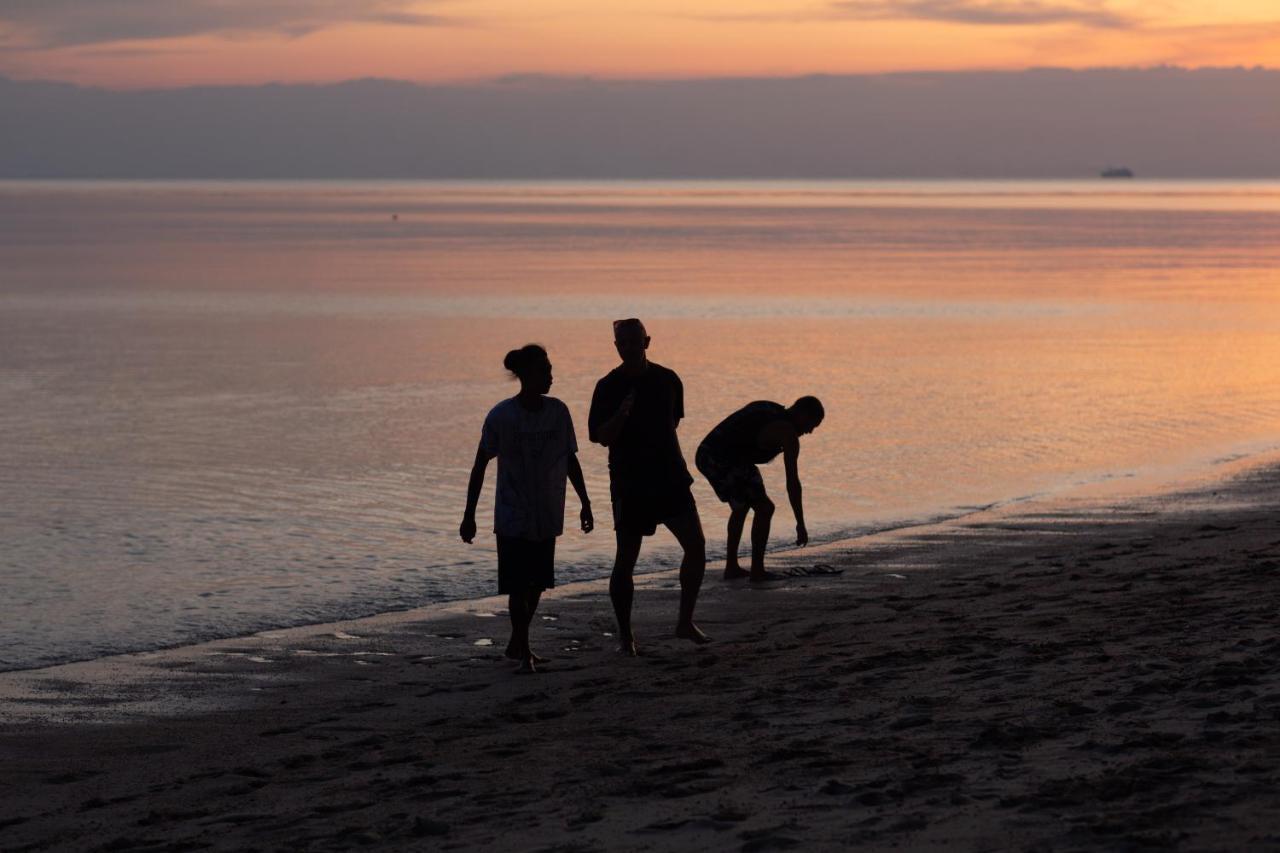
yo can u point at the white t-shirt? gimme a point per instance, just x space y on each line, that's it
533 463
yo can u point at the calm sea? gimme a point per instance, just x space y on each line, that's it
232 406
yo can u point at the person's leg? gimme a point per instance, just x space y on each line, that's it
524 609
510 561
763 509
518 648
525 568
535 596
531 597
542 576
733 536
687 528
622 587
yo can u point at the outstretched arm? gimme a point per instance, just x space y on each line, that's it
467 530
580 486
791 459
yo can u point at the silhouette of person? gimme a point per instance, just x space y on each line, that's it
754 435
634 412
532 437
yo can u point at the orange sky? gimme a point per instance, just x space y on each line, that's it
146 43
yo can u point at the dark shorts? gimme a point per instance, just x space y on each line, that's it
738 484
639 509
525 564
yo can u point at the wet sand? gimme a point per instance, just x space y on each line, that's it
1081 675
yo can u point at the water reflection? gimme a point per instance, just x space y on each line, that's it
231 407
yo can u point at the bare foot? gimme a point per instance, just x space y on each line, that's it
692 632
527 666
628 648
514 653
733 573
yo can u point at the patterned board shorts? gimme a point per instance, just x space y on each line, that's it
738 484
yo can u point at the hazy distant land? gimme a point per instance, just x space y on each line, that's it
1163 122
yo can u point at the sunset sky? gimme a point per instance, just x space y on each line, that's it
160 43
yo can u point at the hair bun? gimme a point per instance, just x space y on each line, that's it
519 360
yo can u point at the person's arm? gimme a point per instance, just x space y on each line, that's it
677 401
608 431
580 486
790 460
467 530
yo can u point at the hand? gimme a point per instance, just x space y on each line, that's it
467 530
588 520
627 402
802 535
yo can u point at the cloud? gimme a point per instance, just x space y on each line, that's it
984 12
69 23
1088 13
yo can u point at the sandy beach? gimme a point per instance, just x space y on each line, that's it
1083 674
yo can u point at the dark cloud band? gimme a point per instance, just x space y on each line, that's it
65 23
984 12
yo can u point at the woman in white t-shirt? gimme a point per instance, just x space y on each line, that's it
532 437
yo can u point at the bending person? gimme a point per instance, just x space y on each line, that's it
754 435
532 437
634 412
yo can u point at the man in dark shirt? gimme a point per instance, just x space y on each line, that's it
634 412
728 456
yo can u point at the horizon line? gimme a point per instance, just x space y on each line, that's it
517 78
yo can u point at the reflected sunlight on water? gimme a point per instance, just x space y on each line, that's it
234 406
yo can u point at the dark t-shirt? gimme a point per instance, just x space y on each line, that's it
647 451
735 439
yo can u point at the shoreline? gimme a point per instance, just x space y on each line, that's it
1086 673
1152 483
1205 467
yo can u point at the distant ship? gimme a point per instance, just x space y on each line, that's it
1117 172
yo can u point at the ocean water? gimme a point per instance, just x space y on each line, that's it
232 406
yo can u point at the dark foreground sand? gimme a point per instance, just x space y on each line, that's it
1091 676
